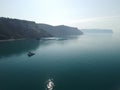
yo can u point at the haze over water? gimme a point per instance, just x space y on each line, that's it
87 62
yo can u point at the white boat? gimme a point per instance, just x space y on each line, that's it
50 84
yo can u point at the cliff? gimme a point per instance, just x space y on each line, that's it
22 29
17 29
61 30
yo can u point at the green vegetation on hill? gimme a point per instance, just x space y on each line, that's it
22 29
18 29
61 30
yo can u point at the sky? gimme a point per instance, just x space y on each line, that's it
56 12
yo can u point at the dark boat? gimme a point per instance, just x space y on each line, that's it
30 54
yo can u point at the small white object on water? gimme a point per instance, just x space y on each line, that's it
50 84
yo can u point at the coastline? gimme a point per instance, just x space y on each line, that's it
8 40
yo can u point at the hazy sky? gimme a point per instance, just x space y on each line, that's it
59 11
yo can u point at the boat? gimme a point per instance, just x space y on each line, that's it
30 54
50 84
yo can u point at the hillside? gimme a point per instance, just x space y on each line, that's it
102 31
60 30
17 29
22 29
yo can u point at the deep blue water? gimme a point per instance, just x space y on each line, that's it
87 62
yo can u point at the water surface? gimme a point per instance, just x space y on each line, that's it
87 62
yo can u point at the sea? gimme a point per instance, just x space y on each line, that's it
85 62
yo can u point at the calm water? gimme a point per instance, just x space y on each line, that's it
87 62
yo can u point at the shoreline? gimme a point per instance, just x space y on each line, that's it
8 40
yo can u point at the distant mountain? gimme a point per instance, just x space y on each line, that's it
61 30
22 29
97 31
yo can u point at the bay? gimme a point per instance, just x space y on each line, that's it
86 62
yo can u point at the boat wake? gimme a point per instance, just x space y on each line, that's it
50 84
